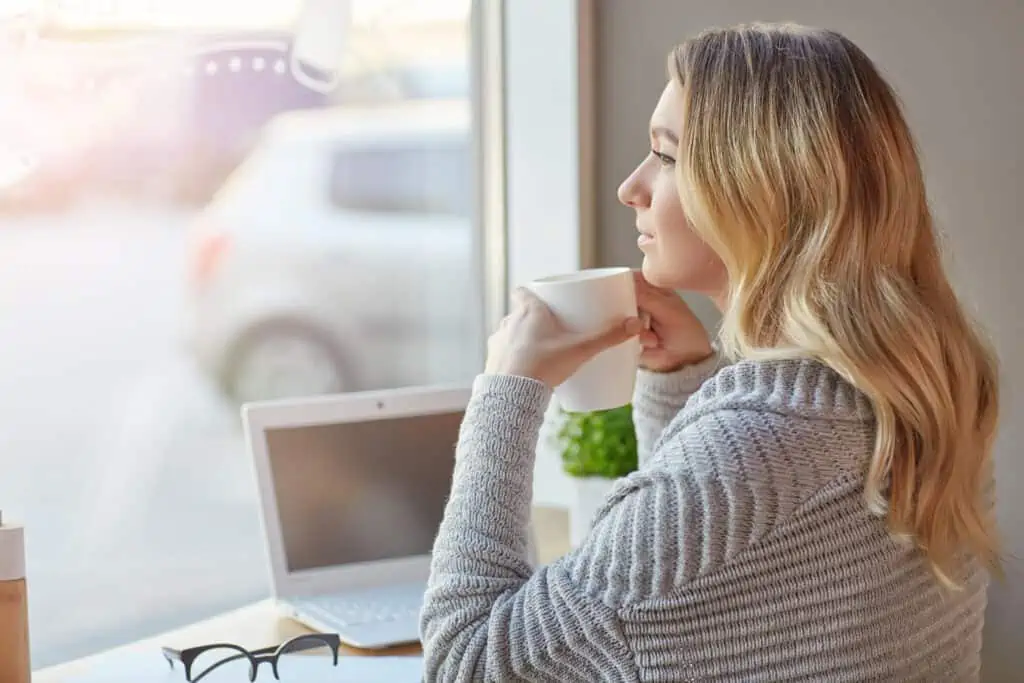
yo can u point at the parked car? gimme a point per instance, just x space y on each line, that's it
339 255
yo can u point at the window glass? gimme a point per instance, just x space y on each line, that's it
192 198
417 177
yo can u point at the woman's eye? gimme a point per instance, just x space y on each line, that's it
665 159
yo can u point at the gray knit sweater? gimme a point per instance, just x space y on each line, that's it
740 551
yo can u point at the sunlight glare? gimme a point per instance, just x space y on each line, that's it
95 14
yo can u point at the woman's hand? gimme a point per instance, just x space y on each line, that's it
674 337
532 342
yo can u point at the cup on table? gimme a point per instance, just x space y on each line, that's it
590 301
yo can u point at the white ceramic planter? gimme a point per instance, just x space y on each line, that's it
588 493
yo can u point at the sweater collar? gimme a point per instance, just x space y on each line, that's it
804 387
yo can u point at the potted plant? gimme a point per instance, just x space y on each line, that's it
596 448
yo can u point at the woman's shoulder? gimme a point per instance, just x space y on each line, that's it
725 481
757 424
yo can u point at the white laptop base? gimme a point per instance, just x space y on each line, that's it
369 618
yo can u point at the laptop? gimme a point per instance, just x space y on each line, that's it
352 489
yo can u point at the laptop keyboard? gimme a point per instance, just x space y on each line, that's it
345 609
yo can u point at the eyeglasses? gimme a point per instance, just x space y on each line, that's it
206 658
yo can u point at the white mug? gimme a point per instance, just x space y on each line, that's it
590 301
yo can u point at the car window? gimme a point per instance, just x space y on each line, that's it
424 178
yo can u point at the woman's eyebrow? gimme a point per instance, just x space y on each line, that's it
661 131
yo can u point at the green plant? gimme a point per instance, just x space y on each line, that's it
598 444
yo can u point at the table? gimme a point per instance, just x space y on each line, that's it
260 624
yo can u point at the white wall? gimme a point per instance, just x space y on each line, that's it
958 66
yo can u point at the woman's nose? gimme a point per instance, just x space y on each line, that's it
633 192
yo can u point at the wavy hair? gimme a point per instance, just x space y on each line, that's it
797 167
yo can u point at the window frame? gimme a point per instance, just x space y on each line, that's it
535 94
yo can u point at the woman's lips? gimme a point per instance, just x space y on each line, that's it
644 238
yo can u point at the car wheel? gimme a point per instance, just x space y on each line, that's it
283 360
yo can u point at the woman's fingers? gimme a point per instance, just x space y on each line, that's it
652 301
658 303
649 340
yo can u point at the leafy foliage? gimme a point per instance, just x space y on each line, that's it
599 444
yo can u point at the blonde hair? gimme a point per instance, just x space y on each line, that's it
798 169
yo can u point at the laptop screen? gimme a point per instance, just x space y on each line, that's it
362 491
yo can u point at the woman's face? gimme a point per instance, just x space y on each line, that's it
674 256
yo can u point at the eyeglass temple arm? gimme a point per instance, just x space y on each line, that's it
170 654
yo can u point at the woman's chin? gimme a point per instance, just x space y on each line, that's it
654 275
698 281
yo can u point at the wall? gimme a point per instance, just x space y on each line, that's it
957 66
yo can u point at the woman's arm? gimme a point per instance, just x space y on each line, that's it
488 616
659 396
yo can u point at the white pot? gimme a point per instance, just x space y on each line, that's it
588 493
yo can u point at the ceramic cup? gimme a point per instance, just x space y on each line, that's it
590 301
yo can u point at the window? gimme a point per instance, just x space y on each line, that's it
139 314
420 177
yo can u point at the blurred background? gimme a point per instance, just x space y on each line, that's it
204 203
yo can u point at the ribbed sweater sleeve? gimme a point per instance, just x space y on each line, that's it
485 616
488 616
659 396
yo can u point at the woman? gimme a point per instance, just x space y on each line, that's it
812 501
